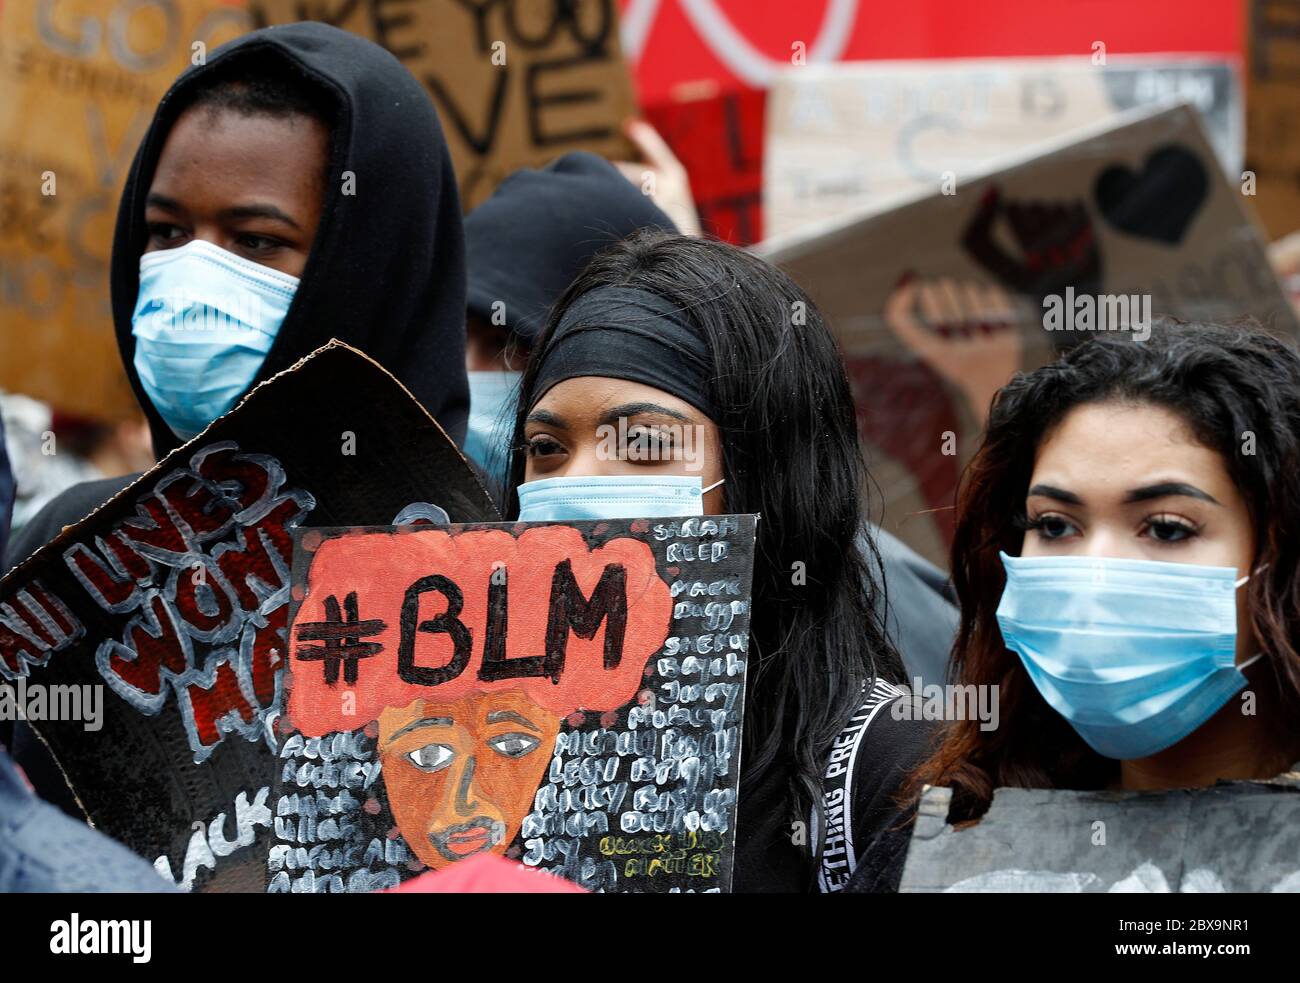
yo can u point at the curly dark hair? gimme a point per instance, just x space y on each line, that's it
1225 382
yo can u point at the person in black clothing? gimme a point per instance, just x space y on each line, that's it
523 246
669 336
306 159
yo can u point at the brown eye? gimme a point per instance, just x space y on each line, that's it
543 446
165 235
1052 527
1169 530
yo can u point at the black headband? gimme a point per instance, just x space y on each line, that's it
625 333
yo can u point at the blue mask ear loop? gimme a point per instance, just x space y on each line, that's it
705 491
1236 585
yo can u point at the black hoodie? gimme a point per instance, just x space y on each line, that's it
386 272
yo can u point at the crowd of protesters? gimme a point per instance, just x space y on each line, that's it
1120 571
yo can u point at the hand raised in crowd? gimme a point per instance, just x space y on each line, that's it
966 331
661 175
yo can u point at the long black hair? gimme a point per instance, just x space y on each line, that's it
1238 390
790 452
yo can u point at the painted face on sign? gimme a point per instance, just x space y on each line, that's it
461 776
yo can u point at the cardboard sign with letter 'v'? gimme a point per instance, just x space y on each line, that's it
158 622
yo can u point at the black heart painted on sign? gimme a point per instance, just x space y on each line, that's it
1157 202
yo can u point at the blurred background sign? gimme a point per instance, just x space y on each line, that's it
688 53
850 136
938 301
1273 93
80 81
516 82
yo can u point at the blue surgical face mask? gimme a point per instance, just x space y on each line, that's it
617 496
491 420
204 320
1135 654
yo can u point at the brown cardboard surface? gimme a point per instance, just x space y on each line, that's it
80 80
848 136
516 82
1136 207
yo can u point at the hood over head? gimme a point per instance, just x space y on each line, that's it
386 272
540 228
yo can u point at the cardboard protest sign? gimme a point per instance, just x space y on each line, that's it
852 136
1048 841
516 82
169 604
1273 113
80 80
569 695
938 301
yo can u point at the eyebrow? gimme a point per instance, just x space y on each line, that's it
1167 488
1146 493
632 409
254 210
1060 494
258 210
162 201
548 418
496 716
422 722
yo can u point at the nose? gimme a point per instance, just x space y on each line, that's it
586 461
1105 541
465 803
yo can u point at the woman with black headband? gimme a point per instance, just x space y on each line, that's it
679 376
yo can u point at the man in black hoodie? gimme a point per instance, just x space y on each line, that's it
312 153
295 188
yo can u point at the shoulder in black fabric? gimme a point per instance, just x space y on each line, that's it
386 271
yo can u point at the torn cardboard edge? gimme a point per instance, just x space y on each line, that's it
361 360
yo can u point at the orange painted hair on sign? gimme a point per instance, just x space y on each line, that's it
392 571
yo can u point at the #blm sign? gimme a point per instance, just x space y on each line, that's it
566 694
516 82
170 604
848 136
81 79
1053 841
939 300
1273 112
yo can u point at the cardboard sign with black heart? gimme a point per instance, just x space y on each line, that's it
854 135
164 612
938 301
